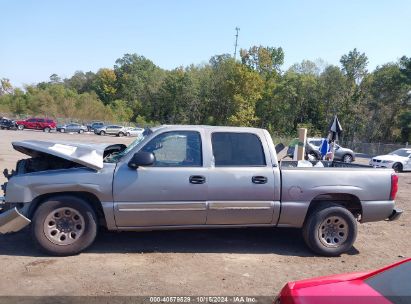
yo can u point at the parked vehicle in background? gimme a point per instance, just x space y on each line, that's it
72 127
311 153
341 154
135 132
94 125
111 130
179 177
390 284
399 160
44 124
8 124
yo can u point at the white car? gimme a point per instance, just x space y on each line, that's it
399 160
135 132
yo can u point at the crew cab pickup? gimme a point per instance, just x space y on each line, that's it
179 177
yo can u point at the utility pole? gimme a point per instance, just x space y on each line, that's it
237 29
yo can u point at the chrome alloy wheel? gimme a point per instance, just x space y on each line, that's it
333 231
347 158
64 226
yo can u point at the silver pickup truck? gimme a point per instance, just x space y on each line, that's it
179 177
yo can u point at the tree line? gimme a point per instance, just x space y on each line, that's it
253 91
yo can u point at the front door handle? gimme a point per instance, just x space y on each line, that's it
259 180
197 179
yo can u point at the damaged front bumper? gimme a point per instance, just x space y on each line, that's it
11 220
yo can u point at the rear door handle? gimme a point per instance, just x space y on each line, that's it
197 179
259 180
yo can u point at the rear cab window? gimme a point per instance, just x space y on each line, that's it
237 150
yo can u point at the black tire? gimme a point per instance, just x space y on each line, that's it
80 131
102 133
319 216
47 130
20 127
63 130
121 134
397 167
128 134
65 201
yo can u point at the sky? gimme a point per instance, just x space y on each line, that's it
42 37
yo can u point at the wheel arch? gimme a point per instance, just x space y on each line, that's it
349 201
90 198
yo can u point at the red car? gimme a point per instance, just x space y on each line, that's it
44 124
391 284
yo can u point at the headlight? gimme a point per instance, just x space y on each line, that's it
387 161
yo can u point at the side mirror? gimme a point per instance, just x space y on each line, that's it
142 159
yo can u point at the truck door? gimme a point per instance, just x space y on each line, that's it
171 192
241 183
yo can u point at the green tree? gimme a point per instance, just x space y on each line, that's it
5 86
354 65
265 60
104 84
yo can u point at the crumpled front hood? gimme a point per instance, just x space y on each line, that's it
89 155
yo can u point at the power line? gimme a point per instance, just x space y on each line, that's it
237 29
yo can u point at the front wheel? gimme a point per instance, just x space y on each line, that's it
121 134
397 167
20 127
64 225
47 130
128 134
80 131
102 133
330 230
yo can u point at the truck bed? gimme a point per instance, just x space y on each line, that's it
326 164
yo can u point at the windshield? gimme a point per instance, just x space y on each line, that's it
401 152
116 156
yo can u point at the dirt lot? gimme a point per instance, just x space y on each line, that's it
214 262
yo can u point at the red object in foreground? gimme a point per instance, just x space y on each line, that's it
394 186
391 284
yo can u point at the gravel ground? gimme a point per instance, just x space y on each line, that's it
251 262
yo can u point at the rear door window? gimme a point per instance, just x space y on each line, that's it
237 150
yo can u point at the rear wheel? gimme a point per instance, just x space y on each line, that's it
20 127
330 230
80 131
64 225
397 167
121 134
347 158
47 130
